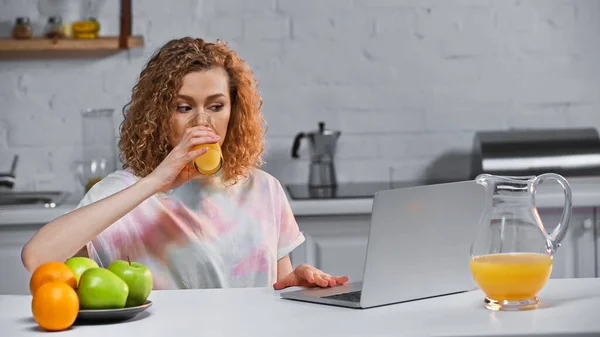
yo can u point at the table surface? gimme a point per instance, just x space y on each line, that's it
568 306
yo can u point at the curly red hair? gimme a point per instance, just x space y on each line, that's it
147 126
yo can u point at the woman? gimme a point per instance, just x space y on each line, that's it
231 229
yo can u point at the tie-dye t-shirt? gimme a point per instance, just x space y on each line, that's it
203 234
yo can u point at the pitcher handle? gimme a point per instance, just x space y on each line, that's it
558 234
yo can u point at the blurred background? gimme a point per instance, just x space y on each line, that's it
371 92
406 82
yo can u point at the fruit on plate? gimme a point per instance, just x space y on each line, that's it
51 271
138 278
79 264
100 288
55 306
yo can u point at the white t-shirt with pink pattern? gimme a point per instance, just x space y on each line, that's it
203 234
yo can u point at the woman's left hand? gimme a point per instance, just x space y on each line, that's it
308 276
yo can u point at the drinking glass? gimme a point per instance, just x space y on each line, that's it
211 161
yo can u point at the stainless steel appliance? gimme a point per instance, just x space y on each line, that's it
568 152
323 143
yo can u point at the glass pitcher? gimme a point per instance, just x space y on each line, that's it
211 161
99 147
511 256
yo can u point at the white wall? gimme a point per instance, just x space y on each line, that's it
405 81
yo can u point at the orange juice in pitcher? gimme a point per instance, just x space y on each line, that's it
511 276
511 257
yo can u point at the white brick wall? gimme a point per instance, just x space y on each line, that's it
407 81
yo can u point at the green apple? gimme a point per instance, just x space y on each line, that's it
100 288
80 264
137 276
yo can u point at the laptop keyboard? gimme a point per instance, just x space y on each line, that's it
353 296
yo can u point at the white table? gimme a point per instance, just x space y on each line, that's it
569 306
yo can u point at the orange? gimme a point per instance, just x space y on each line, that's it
51 271
55 306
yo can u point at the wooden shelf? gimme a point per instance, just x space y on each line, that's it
41 48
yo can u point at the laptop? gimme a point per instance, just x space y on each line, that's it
419 247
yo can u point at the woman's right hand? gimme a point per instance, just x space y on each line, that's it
174 170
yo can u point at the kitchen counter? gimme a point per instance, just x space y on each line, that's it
586 193
38 215
33 215
569 306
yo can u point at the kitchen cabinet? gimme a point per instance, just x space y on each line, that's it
576 256
14 278
336 244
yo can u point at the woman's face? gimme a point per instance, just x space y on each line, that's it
203 91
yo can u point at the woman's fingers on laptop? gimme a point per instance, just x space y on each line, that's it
328 280
309 276
321 280
325 280
338 280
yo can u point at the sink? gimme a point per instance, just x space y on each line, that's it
49 199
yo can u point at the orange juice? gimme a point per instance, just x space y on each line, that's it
511 276
210 161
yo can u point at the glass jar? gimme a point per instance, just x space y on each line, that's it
53 28
87 29
22 29
99 147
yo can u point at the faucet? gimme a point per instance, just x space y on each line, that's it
7 179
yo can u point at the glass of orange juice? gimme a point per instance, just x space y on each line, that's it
511 257
211 161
